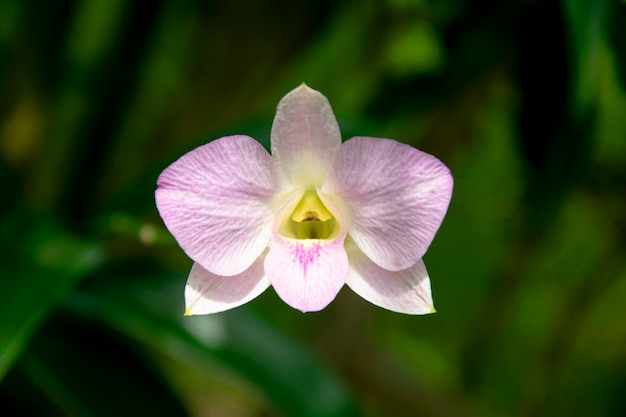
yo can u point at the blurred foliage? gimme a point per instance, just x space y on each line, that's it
524 100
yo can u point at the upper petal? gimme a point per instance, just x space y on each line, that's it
395 198
307 273
218 201
305 137
207 293
407 291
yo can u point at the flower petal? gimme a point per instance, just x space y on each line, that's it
305 137
307 273
218 202
395 198
207 293
406 291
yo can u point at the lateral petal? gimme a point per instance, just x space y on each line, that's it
407 291
395 198
207 293
218 202
305 137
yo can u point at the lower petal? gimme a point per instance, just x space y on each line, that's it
307 275
207 293
407 291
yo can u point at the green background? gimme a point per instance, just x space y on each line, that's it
524 100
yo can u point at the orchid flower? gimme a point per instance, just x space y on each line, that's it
314 215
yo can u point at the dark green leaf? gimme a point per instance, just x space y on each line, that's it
149 310
87 371
41 266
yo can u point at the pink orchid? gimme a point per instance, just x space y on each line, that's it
313 216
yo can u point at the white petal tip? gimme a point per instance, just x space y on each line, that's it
188 313
307 310
305 89
432 310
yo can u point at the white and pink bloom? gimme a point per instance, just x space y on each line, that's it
313 216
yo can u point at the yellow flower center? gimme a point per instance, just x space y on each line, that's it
310 219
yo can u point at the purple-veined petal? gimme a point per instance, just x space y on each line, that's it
307 274
395 198
218 202
305 137
407 291
207 293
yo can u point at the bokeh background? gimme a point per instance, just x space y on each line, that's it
524 100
